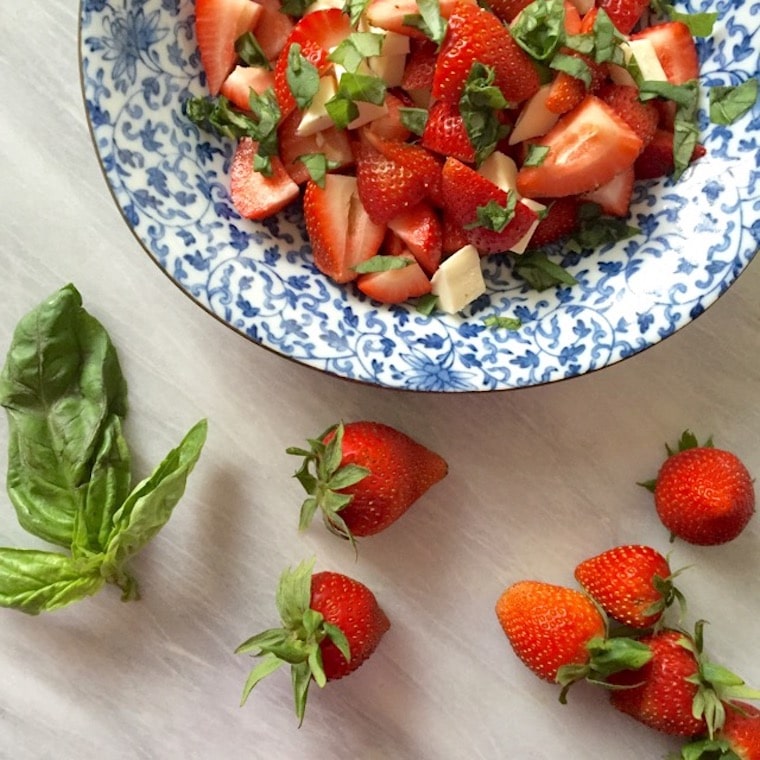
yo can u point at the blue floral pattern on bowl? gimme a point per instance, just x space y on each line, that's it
139 62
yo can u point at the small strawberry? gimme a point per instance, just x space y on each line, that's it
739 739
331 624
677 692
445 132
420 229
624 13
420 65
559 221
560 634
633 584
703 495
363 476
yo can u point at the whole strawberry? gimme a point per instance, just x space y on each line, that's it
560 634
739 739
677 692
363 476
632 583
331 624
702 494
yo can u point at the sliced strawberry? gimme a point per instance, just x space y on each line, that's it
464 190
476 35
391 15
254 195
454 235
559 221
624 14
641 117
218 24
341 233
390 126
392 245
614 196
333 143
273 28
675 48
587 148
242 79
395 285
446 134
420 65
573 20
420 230
589 20
656 160
565 93
507 10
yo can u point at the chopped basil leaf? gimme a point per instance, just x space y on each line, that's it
574 66
429 20
540 28
536 155
382 263
480 101
607 40
595 229
414 119
494 216
355 48
302 77
727 104
248 49
426 304
682 94
264 106
355 9
295 8
581 43
341 110
364 87
700 24
540 273
506 323
317 164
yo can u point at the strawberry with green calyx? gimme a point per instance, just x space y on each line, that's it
363 476
331 624
632 583
561 635
739 739
702 494
678 691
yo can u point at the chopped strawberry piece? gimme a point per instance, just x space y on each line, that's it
656 160
587 148
561 220
507 10
641 117
218 24
390 126
445 132
420 230
675 48
242 79
624 14
273 28
476 35
392 245
565 93
614 197
464 191
420 65
454 235
573 20
254 195
395 285
315 54
341 233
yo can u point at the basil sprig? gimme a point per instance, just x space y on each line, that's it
69 465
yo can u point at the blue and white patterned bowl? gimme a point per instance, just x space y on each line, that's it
139 62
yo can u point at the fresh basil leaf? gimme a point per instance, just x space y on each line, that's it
355 48
502 323
728 104
574 66
382 263
494 216
429 20
581 43
414 119
61 385
595 229
34 581
536 155
540 28
318 165
479 104
342 110
149 506
700 24
355 9
363 87
427 304
607 40
540 273
682 94
249 51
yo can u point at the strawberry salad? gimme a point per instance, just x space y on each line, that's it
423 135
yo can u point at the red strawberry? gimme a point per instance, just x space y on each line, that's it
703 495
420 65
675 48
364 476
641 117
633 584
464 191
614 197
739 739
393 176
241 80
454 236
390 126
476 35
420 229
568 91
340 231
253 194
624 13
446 134
559 633
561 220
656 159
394 286
331 624
392 15
587 148
218 24
273 28
507 10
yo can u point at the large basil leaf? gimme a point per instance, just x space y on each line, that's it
36 581
149 506
61 386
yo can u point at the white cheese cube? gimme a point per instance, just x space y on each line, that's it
535 118
522 243
315 117
644 53
390 68
501 170
458 281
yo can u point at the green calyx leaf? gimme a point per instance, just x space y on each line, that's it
322 475
297 642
